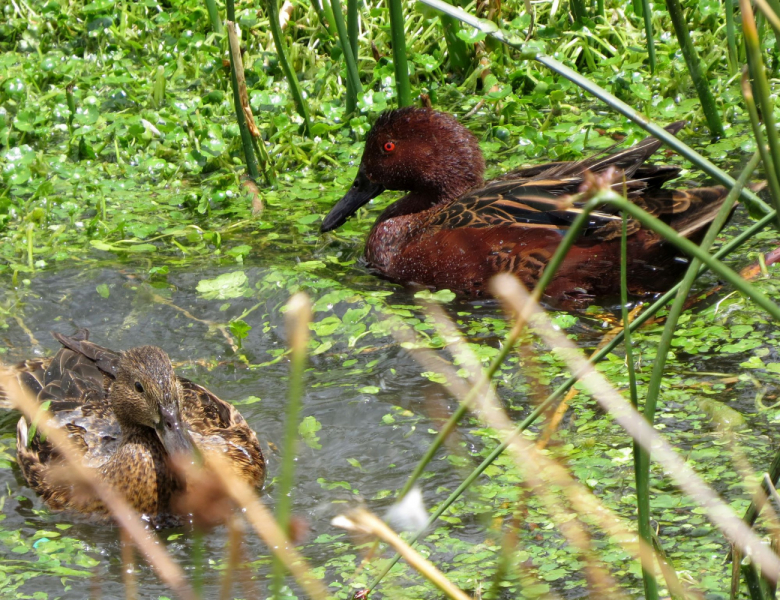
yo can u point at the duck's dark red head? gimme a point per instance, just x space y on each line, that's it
415 150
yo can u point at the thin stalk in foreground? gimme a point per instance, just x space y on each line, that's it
694 68
531 52
402 85
352 33
766 158
648 18
642 483
765 103
354 89
297 317
487 376
731 39
281 52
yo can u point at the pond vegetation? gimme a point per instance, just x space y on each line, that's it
125 208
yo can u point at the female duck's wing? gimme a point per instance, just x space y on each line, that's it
75 388
216 426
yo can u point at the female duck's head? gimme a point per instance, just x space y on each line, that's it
147 394
415 150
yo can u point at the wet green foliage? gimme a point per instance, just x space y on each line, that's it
118 146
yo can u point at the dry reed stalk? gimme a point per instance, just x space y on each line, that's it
128 566
153 550
264 524
508 289
563 406
238 67
363 521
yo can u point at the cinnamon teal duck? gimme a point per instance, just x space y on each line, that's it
453 230
127 412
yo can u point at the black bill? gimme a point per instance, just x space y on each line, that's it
362 190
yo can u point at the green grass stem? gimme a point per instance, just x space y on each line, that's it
402 85
298 316
731 37
243 128
647 14
216 23
761 85
641 456
354 88
281 52
457 49
642 483
694 68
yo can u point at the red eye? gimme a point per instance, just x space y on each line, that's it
389 146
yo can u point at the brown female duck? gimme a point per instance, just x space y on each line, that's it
453 230
128 413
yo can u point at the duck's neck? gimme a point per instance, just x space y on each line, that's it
422 200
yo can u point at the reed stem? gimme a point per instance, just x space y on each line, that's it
761 85
281 51
354 89
297 317
694 68
402 85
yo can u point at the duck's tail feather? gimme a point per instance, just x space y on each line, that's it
106 360
686 211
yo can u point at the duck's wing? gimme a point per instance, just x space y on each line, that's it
518 204
216 426
75 389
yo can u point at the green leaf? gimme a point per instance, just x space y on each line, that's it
227 285
308 429
103 290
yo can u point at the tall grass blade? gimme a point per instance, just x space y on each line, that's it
642 482
352 34
281 52
765 104
731 36
216 23
402 85
531 51
642 458
297 317
354 89
694 68
649 36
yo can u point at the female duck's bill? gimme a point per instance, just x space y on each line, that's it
453 230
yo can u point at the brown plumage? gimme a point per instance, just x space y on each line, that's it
453 230
127 412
